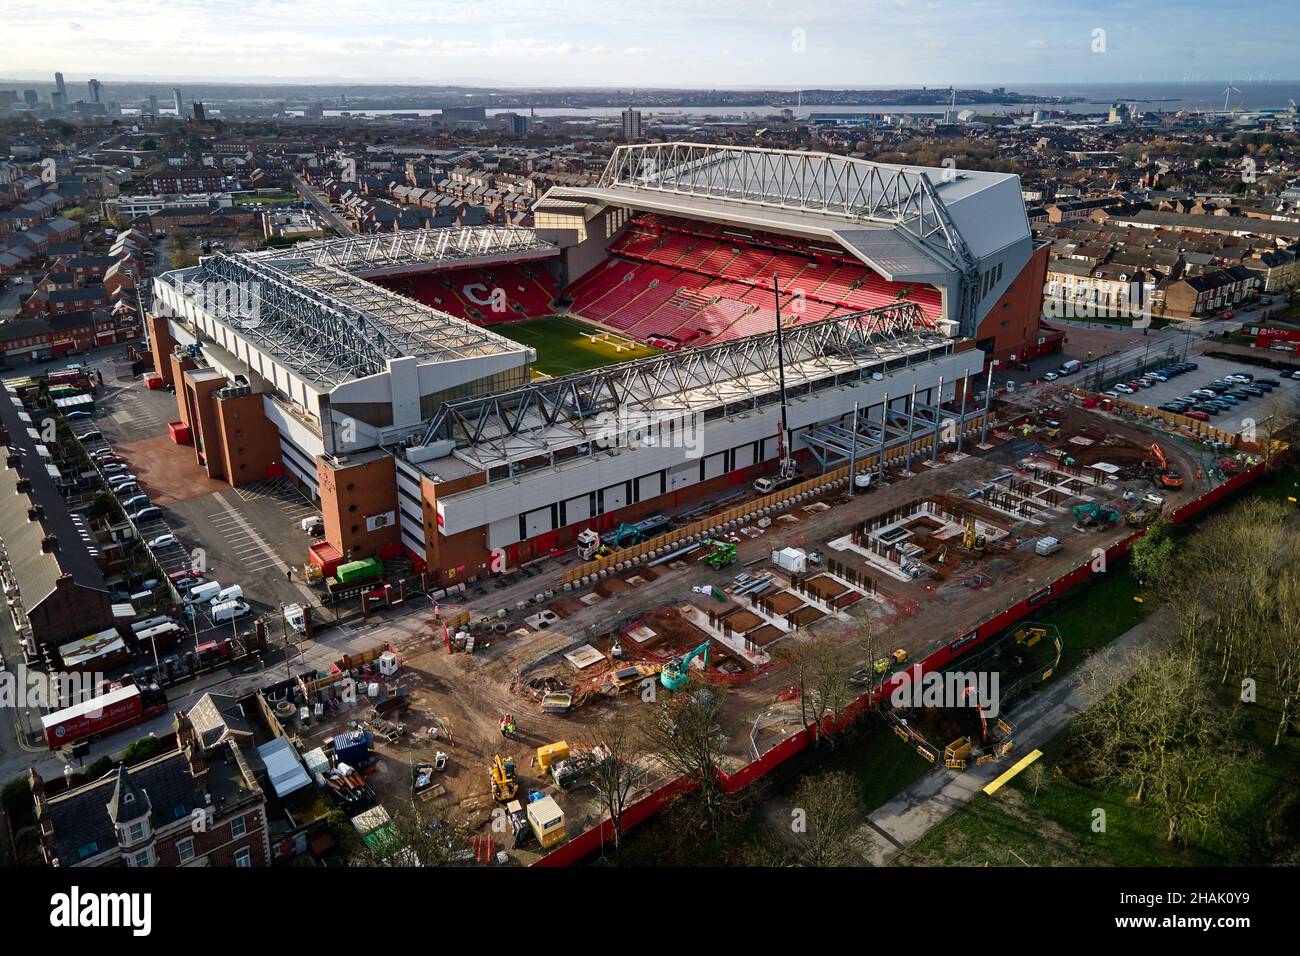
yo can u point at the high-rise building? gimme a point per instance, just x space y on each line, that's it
59 101
631 125
96 91
29 97
59 86
153 104
200 114
178 102
516 123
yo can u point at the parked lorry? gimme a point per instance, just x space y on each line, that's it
108 713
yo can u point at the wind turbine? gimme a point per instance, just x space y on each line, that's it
1228 92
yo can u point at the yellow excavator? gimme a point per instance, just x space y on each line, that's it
502 775
971 539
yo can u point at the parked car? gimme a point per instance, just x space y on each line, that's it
146 514
136 502
77 416
91 436
1196 413
163 541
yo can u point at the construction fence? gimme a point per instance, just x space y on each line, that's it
591 840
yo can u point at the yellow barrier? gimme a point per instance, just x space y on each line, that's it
1019 765
741 511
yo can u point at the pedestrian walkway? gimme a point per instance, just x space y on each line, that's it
929 801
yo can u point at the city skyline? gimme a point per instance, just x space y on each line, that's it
748 43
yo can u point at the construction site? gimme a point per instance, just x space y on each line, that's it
474 711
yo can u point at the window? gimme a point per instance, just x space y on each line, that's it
244 857
140 859
135 833
185 849
237 827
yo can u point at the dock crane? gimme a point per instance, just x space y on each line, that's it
676 673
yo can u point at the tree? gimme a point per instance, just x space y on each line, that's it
681 736
823 672
1152 554
615 777
415 836
1037 776
827 809
1162 736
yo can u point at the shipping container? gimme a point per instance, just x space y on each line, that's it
355 572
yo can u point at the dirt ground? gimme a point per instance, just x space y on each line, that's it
465 695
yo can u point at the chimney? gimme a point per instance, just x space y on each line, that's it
50 543
35 513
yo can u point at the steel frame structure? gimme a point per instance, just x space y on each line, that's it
854 190
545 417
851 190
360 254
326 325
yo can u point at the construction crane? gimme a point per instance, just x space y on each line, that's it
676 673
1164 474
502 776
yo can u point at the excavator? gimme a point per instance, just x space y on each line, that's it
1093 515
676 673
502 775
971 539
1166 476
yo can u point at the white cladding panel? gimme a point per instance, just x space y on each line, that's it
544 487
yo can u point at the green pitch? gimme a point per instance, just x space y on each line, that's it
566 345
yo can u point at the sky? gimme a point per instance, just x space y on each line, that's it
654 43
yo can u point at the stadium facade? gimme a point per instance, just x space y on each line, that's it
369 372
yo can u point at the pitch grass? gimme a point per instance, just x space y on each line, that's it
562 346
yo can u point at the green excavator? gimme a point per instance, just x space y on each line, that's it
1093 515
676 673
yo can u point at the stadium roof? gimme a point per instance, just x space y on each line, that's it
556 414
911 223
403 250
323 323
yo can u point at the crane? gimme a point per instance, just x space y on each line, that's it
676 673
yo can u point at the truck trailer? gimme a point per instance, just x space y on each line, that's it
103 715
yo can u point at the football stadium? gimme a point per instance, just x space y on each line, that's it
699 318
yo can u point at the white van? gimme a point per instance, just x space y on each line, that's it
1046 546
232 593
294 617
147 623
204 592
228 610
313 525
1070 367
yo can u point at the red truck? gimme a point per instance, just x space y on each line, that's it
109 712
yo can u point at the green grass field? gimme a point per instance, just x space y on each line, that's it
562 346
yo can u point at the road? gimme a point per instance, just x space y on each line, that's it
322 208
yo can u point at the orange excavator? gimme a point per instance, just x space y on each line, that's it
1168 477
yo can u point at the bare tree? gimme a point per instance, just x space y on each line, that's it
683 736
615 777
416 836
827 809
